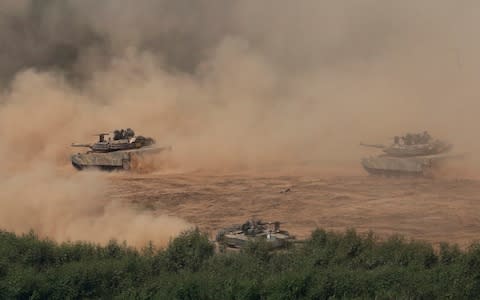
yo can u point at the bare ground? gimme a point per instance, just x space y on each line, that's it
432 210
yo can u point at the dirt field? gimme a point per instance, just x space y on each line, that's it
433 210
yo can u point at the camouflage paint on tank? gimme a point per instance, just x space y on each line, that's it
113 159
420 165
238 236
239 240
395 164
117 159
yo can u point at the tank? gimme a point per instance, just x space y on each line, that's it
121 153
237 236
412 154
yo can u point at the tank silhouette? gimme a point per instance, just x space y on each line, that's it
121 152
237 236
412 154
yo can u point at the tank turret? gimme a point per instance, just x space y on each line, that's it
413 145
125 141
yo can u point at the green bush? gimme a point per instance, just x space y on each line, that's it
329 265
188 251
259 249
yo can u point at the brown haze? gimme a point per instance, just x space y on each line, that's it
229 84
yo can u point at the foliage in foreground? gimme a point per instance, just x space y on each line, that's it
328 266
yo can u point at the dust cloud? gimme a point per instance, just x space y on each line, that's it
230 85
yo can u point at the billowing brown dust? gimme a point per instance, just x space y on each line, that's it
232 86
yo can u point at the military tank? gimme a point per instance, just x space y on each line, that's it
413 154
121 152
237 236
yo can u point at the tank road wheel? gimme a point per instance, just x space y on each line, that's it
78 167
125 165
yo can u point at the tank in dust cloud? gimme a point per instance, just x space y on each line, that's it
413 154
237 236
122 152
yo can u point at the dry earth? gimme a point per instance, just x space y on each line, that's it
432 210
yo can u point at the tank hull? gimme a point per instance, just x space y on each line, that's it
239 240
116 160
238 236
405 166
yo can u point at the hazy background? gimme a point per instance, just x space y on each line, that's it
229 84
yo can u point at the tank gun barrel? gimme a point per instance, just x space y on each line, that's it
379 146
81 145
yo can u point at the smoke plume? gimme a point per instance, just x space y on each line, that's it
229 84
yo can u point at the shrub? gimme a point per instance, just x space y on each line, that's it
449 253
260 249
188 251
327 266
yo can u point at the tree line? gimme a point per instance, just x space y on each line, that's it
329 265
